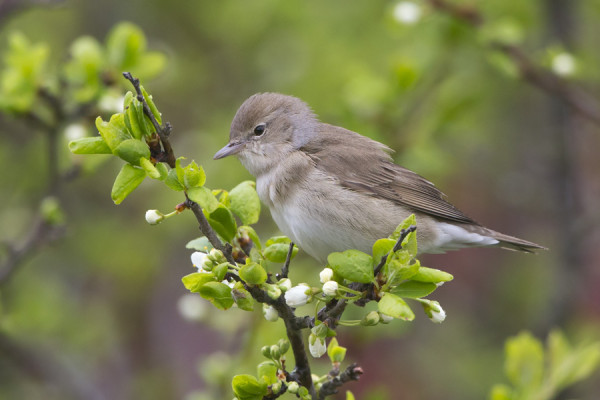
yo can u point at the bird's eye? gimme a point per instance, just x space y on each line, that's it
259 129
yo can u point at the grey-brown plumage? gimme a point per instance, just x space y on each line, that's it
331 189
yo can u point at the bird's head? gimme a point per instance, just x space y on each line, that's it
266 128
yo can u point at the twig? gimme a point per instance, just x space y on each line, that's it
580 101
352 373
163 131
286 266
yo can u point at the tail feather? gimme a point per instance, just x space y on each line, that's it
514 243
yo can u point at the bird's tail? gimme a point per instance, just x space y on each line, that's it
514 243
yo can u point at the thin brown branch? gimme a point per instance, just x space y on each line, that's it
575 97
286 265
163 131
352 373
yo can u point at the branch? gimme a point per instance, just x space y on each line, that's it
286 266
580 101
163 131
352 373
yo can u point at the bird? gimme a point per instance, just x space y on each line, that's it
330 189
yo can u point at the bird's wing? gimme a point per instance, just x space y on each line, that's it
364 165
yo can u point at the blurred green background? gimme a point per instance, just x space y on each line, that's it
101 313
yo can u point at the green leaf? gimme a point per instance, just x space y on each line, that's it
394 306
131 150
335 352
219 294
124 44
204 197
400 269
173 182
247 387
200 244
267 372
244 202
127 180
349 395
431 275
83 70
222 222
193 175
150 169
162 170
407 223
413 289
277 252
134 119
524 361
253 273
151 105
248 230
352 265
114 131
194 281
568 365
278 239
89 145
220 271
381 248
243 299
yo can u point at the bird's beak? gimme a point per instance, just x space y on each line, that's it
229 150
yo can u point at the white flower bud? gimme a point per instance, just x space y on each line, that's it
296 296
270 313
407 12
330 288
154 217
386 319
285 284
438 316
326 275
293 387
316 346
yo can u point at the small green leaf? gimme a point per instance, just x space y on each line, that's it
222 222
381 248
132 119
220 271
524 361
114 131
431 275
193 175
399 271
150 169
501 392
352 265
407 223
394 306
219 294
127 180
200 244
152 106
277 252
131 150
244 202
180 171
247 387
413 289
267 372
243 299
204 197
335 352
162 170
278 239
349 395
253 273
89 145
173 182
194 281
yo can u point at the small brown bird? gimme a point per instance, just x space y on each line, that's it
330 189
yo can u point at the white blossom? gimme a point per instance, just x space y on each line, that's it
285 284
330 288
564 64
326 275
386 319
192 307
154 217
316 346
270 313
74 132
407 12
296 296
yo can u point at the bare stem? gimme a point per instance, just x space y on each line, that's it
352 373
